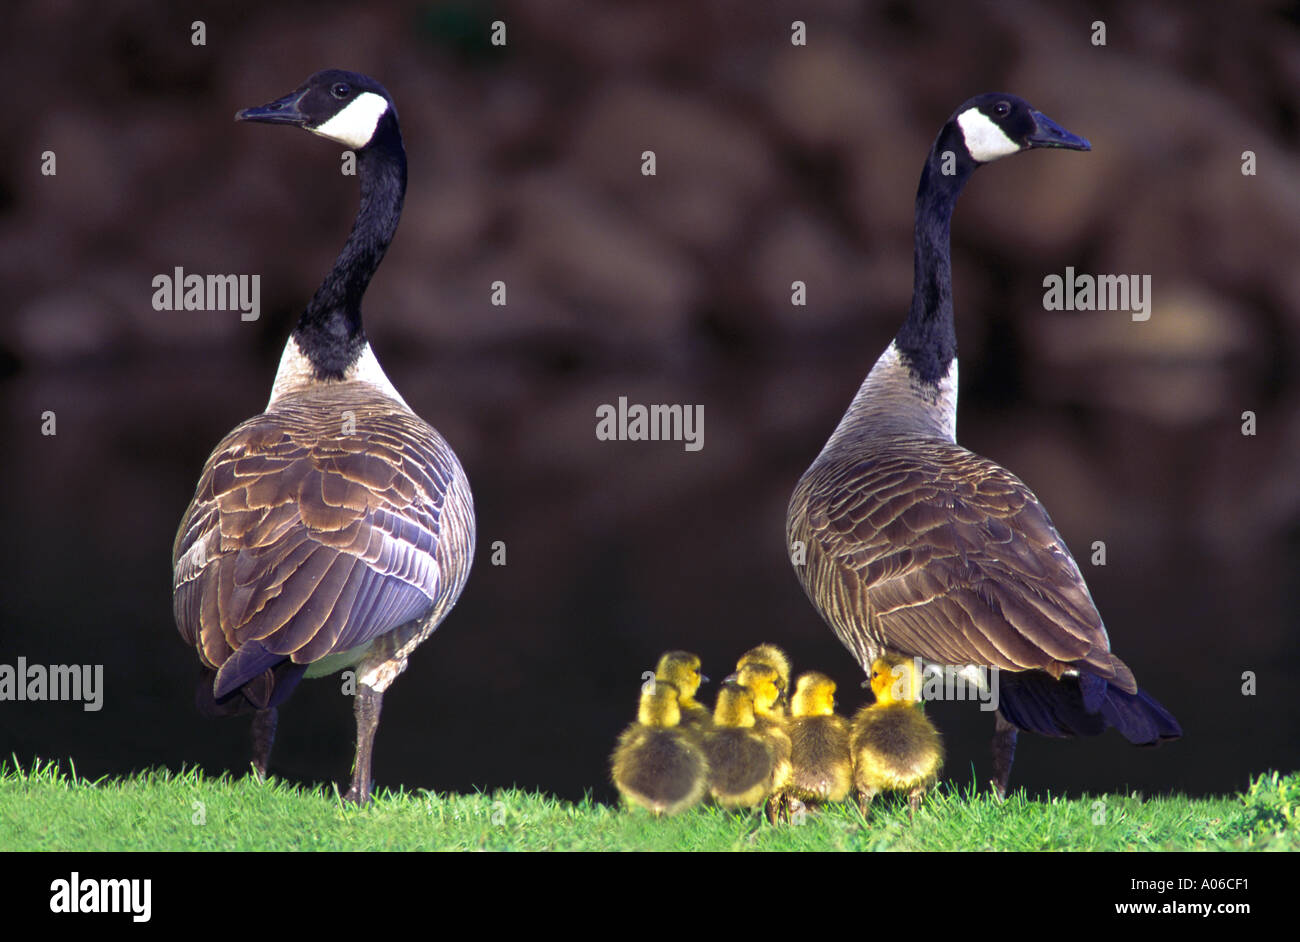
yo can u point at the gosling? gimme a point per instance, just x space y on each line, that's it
657 764
894 746
682 670
741 760
769 713
764 682
822 766
774 658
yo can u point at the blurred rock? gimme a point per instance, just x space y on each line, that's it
830 93
64 325
623 279
709 164
796 246
1185 366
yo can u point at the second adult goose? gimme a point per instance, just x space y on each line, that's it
917 547
335 529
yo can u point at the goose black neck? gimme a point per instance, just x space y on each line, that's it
329 332
928 338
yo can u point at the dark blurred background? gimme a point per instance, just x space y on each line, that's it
775 163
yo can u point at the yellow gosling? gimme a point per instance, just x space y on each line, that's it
657 764
682 670
763 682
774 658
894 746
822 767
741 762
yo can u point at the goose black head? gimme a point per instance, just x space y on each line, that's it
346 107
994 125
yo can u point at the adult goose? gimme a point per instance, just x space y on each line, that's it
335 529
910 545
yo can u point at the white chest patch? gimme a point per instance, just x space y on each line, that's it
947 405
296 373
355 125
938 404
892 401
984 139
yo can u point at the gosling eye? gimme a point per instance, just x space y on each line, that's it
1002 109
341 90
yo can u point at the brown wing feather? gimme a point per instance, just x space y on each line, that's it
311 539
925 548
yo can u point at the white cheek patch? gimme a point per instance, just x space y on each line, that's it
984 139
355 124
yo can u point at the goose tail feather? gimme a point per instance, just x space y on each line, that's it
1083 706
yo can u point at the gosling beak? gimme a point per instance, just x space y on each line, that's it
1047 133
281 111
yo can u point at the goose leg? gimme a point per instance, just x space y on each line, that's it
1004 753
376 672
368 702
264 723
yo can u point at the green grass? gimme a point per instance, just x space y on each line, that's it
46 808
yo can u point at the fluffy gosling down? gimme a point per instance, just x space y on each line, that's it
894 746
773 657
658 765
764 682
742 763
822 766
682 670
